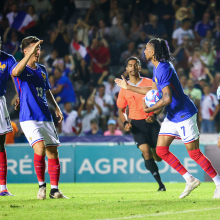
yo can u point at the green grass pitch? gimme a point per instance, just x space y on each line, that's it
111 201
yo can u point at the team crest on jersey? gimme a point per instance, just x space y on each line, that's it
2 67
43 75
156 81
30 138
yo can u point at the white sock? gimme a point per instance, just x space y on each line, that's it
216 180
54 187
3 187
187 175
41 183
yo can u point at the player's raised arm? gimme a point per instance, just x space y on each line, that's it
124 84
166 100
28 51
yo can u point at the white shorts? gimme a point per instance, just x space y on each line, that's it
36 131
5 122
186 130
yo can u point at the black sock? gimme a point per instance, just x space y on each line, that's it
153 168
42 185
52 191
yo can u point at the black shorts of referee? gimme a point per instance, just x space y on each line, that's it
144 132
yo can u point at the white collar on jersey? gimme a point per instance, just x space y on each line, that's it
138 82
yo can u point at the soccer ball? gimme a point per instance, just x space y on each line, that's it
152 97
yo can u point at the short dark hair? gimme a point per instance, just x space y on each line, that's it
27 41
186 20
101 86
133 58
93 121
161 49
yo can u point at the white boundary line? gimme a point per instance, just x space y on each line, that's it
158 214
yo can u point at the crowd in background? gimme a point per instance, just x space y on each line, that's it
112 31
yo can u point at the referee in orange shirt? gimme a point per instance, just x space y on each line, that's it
143 126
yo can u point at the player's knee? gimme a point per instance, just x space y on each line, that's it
147 155
39 148
162 151
52 152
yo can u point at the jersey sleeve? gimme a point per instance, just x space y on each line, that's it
121 101
164 78
215 100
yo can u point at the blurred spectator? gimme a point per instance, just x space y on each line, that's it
182 10
104 100
110 87
103 31
216 30
208 55
68 65
114 11
19 20
82 30
94 128
10 137
127 53
142 41
209 108
92 111
100 59
154 28
23 4
179 33
64 88
112 131
119 31
59 38
50 60
216 83
71 123
42 7
182 54
183 81
32 13
94 14
180 71
135 29
196 65
10 41
203 26
165 12
193 93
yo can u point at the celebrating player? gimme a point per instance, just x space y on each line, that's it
143 126
31 80
181 115
6 62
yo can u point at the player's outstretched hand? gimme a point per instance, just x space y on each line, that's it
128 127
59 115
17 103
34 48
218 92
122 82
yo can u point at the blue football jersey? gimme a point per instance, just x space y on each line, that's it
6 63
32 85
181 107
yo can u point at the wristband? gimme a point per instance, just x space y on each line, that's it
125 123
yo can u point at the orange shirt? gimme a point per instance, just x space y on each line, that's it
10 137
134 101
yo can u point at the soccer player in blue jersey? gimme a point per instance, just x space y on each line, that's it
181 115
31 80
6 62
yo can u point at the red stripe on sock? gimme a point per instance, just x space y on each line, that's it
39 166
54 171
171 159
3 168
203 162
